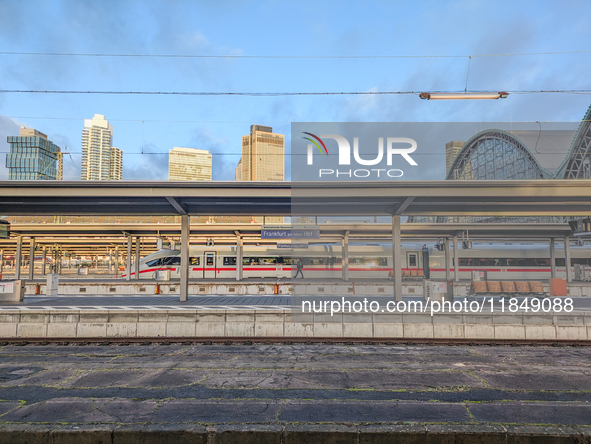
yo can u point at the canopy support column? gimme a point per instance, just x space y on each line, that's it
552 258
137 258
43 260
345 256
567 259
32 259
456 260
447 261
239 256
184 284
17 257
116 262
128 275
396 260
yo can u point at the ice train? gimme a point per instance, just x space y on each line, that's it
372 261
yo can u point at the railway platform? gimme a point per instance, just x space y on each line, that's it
78 285
277 318
281 393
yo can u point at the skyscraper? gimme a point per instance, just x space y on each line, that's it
238 171
116 169
32 156
262 155
189 164
100 161
262 160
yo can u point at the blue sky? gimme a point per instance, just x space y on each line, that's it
155 124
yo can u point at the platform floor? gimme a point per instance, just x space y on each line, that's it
195 302
281 386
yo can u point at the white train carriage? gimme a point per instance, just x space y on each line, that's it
501 261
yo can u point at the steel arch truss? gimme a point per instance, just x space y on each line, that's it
495 155
577 163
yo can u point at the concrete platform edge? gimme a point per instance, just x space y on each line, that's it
290 434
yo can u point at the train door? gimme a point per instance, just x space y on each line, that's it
426 266
209 265
412 263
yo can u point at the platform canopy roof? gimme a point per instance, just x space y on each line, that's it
433 198
93 239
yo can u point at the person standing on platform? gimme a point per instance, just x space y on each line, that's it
300 267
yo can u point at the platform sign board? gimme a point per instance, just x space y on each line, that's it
290 232
4 229
290 245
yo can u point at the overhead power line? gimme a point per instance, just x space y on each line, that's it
241 56
275 94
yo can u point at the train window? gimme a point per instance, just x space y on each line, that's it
516 262
229 260
317 260
412 260
288 261
368 261
266 260
194 261
466 262
171 260
541 262
560 262
154 262
580 261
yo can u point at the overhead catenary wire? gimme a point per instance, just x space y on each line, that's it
276 94
278 56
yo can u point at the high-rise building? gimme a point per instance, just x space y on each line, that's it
451 152
32 156
238 172
100 161
189 164
262 155
262 160
116 171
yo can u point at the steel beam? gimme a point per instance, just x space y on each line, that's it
179 207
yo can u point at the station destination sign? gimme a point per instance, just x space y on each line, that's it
290 245
290 232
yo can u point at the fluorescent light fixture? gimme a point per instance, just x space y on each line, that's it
464 96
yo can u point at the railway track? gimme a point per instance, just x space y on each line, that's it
282 340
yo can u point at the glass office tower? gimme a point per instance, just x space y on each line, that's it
32 156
